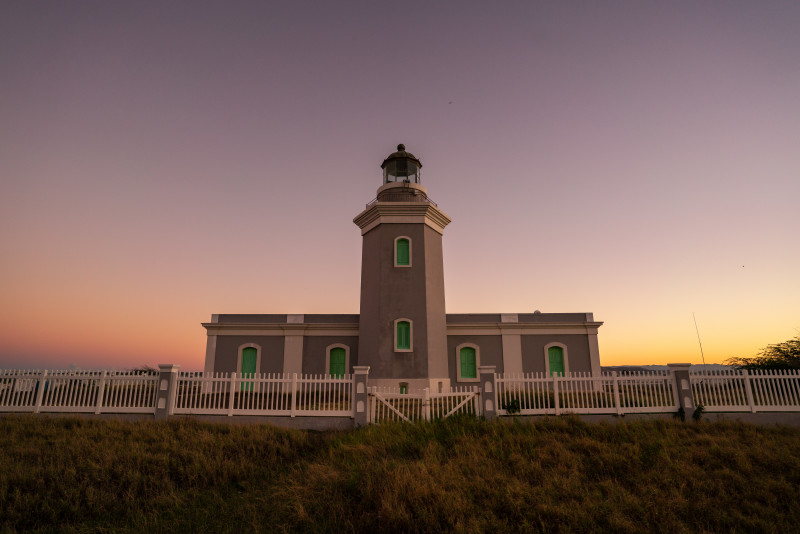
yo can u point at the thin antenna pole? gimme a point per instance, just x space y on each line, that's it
698 338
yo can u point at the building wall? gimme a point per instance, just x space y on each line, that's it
491 353
533 355
314 349
314 352
228 349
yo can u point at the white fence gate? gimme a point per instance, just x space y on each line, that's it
390 404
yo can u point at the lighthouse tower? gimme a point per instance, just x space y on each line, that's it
402 326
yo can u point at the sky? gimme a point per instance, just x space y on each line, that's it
163 161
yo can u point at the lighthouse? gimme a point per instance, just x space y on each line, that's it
402 322
402 332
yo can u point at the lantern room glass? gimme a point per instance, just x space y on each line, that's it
401 170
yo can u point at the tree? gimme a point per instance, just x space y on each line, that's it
784 355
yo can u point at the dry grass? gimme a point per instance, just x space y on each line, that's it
461 474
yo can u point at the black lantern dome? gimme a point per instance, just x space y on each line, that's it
401 166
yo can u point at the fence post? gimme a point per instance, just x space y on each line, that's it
101 389
426 404
749 390
682 387
617 403
488 391
167 388
556 400
232 396
294 394
360 397
477 400
40 391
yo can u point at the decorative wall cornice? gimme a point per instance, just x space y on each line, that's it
402 212
351 329
521 329
281 329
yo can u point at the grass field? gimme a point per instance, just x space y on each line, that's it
462 474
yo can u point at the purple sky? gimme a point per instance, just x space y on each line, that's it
163 161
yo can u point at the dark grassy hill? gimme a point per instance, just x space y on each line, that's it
458 475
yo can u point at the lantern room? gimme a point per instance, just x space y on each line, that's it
401 166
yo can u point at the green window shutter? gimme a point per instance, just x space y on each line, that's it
249 358
404 335
556 357
337 362
469 367
403 253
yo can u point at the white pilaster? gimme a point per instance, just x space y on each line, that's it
512 353
293 353
594 353
211 353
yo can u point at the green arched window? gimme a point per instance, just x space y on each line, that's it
467 360
403 252
555 357
249 360
338 358
403 335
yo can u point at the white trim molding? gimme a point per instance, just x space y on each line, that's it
346 357
239 357
477 362
396 239
410 335
565 353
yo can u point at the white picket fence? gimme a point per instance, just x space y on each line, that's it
743 391
264 394
295 395
582 393
77 391
391 404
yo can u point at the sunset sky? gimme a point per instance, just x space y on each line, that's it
163 161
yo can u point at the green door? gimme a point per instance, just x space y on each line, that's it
468 367
556 357
249 357
337 366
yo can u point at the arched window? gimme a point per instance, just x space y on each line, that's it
337 360
403 335
402 252
467 362
556 359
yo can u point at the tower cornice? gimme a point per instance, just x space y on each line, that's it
402 212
